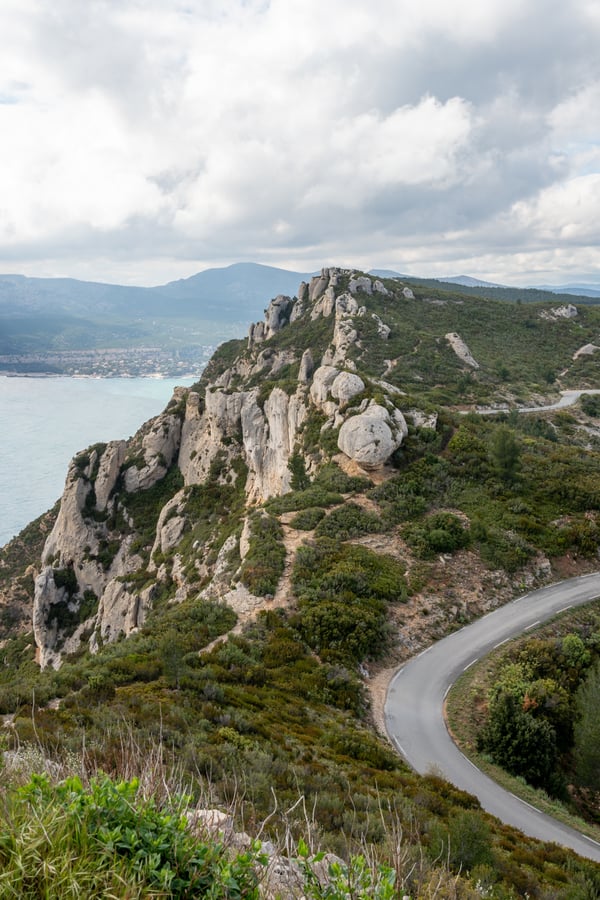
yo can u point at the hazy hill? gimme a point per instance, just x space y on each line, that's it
50 314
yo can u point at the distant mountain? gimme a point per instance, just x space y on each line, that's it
239 291
40 315
387 273
469 281
580 290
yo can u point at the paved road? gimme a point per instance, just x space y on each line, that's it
568 398
414 706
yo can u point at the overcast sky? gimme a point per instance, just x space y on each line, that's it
144 140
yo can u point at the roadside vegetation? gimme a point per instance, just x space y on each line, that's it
531 709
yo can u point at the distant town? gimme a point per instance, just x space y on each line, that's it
109 363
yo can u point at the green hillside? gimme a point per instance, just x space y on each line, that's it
228 592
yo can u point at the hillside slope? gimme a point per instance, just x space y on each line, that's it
319 496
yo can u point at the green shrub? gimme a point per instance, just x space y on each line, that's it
342 591
298 500
590 404
331 478
440 533
308 518
348 521
263 564
519 742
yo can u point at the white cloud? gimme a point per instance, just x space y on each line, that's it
293 130
564 212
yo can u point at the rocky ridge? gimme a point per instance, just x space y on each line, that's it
239 428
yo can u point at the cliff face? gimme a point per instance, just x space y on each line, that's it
122 536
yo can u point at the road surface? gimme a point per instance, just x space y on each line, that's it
414 706
567 398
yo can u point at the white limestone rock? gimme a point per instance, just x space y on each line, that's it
371 437
169 528
586 350
383 330
70 532
317 285
121 611
560 312
346 386
45 627
406 292
346 305
307 367
206 426
461 350
361 283
422 419
278 314
160 445
108 472
222 572
325 305
245 538
269 437
322 381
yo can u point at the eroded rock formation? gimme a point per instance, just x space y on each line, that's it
239 428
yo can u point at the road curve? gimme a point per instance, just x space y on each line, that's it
414 706
568 398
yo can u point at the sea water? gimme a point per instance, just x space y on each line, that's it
44 422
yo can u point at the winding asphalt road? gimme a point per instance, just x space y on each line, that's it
414 708
567 398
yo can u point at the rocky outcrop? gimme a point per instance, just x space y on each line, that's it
159 447
276 317
108 472
461 350
210 425
325 305
371 437
346 386
560 312
46 625
344 332
245 423
268 438
360 283
383 330
586 350
170 527
307 367
122 611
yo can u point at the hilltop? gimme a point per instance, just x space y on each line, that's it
323 503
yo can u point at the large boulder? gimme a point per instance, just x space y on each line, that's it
346 386
371 437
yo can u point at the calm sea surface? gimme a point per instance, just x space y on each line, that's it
44 422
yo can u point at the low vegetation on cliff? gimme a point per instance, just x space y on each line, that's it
331 496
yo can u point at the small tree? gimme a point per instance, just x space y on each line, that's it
504 453
520 743
300 480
